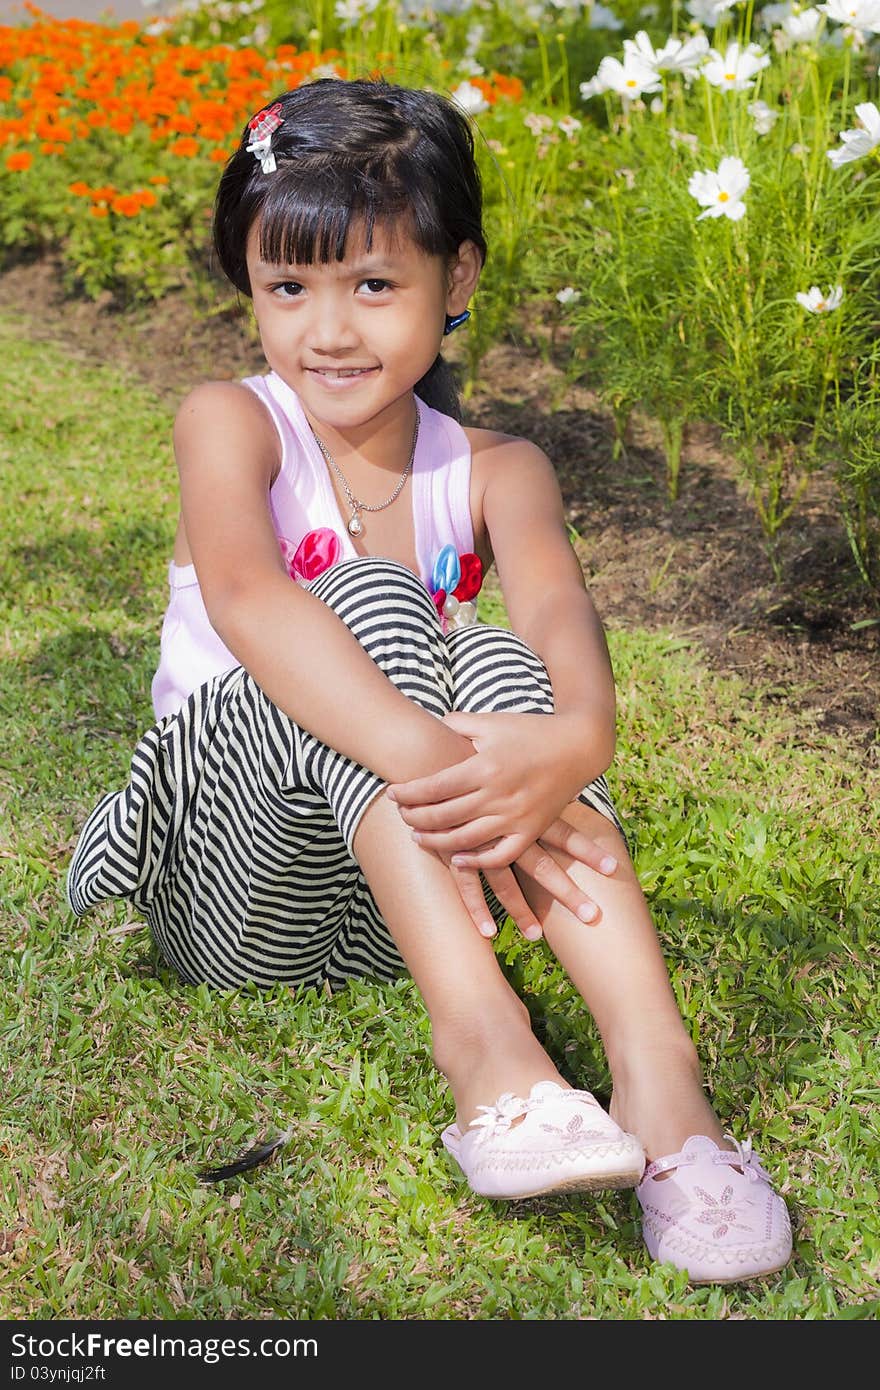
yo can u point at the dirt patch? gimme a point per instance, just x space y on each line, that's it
697 567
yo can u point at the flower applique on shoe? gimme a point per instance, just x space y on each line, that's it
557 1140
719 1224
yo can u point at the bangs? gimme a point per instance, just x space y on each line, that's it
308 215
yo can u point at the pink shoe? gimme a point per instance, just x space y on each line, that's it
718 1224
565 1142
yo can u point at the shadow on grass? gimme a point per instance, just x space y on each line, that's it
101 567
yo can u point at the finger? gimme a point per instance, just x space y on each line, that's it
445 815
503 852
456 780
510 895
561 835
471 890
540 865
460 840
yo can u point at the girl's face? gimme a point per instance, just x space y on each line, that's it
353 337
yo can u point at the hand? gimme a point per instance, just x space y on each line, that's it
538 864
525 770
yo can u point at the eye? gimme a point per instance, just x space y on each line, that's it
376 286
288 289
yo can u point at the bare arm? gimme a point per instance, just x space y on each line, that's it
298 651
546 597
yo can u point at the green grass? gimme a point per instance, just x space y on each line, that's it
751 833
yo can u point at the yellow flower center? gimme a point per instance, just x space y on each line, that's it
631 82
723 197
730 76
821 304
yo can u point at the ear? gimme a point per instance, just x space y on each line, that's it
464 274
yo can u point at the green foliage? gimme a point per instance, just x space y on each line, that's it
751 833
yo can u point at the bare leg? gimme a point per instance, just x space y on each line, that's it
482 1038
617 966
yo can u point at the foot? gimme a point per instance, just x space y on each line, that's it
717 1217
555 1140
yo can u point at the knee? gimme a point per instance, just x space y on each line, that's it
495 671
368 579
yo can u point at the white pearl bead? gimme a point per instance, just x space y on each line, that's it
467 613
450 607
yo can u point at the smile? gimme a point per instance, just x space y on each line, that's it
340 378
337 372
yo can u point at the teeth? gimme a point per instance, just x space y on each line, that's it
348 371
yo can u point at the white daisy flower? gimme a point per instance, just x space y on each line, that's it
629 79
856 14
469 98
708 12
816 303
685 56
602 18
763 116
538 123
569 295
721 192
570 125
735 70
802 25
862 140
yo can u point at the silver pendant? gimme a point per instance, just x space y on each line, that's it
355 526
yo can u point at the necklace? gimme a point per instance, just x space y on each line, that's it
355 525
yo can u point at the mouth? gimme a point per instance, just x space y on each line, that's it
340 373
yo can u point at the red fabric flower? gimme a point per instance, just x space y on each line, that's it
471 577
316 552
439 598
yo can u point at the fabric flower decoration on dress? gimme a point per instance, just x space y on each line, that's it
316 552
455 582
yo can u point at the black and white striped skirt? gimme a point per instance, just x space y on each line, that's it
234 836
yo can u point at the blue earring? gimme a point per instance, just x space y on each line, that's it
453 323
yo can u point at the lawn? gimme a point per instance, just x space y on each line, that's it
752 831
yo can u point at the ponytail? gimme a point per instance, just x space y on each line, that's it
438 389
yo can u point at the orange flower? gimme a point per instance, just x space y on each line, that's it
22 159
127 205
509 87
145 197
80 189
185 147
98 210
219 156
158 178
103 195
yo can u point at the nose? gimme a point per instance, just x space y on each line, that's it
331 328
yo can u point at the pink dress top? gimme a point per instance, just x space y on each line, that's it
302 500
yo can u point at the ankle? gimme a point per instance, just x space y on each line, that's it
488 1058
459 1043
659 1096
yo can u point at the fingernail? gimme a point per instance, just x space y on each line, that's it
608 864
416 836
487 928
587 912
459 861
390 794
533 933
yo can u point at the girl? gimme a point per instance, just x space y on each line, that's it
342 750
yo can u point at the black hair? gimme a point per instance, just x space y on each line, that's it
362 151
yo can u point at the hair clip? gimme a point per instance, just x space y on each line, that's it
263 127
